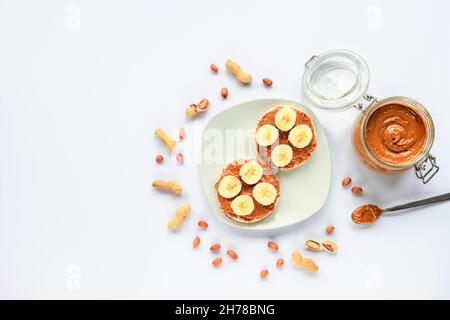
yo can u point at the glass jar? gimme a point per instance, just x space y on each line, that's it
338 80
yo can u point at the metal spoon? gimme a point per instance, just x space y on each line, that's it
369 213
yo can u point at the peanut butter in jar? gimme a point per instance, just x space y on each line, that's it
393 134
390 135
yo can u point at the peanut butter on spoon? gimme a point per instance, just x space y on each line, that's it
369 213
366 214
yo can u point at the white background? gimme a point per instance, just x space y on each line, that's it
83 85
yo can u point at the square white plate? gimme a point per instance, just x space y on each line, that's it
230 135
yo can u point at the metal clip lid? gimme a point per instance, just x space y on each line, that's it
366 101
426 169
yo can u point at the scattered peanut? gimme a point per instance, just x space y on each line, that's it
242 76
203 104
202 224
233 255
264 273
313 245
280 263
180 157
180 215
181 134
267 82
170 185
326 244
159 158
310 265
346 181
297 257
166 139
214 68
357 190
272 245
224 93
330 246
329 229
217 262
193 109
196 242
215 247
306 263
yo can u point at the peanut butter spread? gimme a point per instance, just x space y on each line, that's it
395 133
366 214
260 212
300 155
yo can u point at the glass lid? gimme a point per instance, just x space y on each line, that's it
335 80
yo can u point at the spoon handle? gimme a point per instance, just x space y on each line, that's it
442 197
